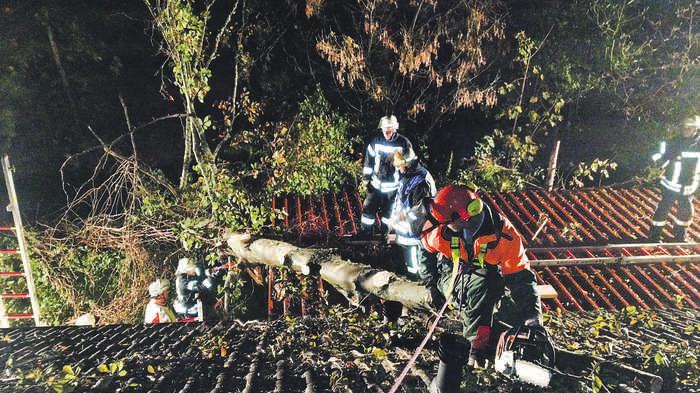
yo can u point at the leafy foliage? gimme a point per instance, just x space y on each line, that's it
424 59
313 156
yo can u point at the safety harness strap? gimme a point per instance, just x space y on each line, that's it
169 312
454 247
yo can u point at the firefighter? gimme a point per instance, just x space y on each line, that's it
196 291
681 160
416 187
157 310
380 176
471 233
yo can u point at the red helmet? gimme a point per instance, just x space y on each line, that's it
452 202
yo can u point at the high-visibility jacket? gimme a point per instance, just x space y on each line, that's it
155 313
496 242
409 211
379 168
681 158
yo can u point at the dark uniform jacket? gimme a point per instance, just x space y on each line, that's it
681 158
379 168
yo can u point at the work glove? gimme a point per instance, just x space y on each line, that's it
478 351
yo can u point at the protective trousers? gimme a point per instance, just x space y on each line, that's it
419 264
376 200
475 294
684 215
480 291
521 303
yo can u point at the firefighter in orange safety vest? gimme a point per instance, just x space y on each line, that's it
486 255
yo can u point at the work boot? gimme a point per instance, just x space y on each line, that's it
478 352
655 234
680 234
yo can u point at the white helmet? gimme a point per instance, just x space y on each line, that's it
157 287
185 266
692 122
388 122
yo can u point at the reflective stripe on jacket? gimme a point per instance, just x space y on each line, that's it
378 164
681 158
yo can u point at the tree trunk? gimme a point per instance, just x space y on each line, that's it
61 71
552 167
352 279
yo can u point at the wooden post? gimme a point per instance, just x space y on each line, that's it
552 167
270 304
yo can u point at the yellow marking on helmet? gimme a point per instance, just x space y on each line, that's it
475 207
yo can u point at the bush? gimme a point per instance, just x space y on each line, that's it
312 156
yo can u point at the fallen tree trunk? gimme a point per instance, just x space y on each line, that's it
353 279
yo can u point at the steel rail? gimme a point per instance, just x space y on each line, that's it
668 282
650 280
616 260
688 273
613 246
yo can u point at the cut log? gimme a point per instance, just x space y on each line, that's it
352 279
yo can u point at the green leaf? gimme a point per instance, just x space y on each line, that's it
150 369
68 369
597 384
378 353
122 373
103 368
659 359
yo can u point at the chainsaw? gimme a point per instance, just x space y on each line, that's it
526 353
